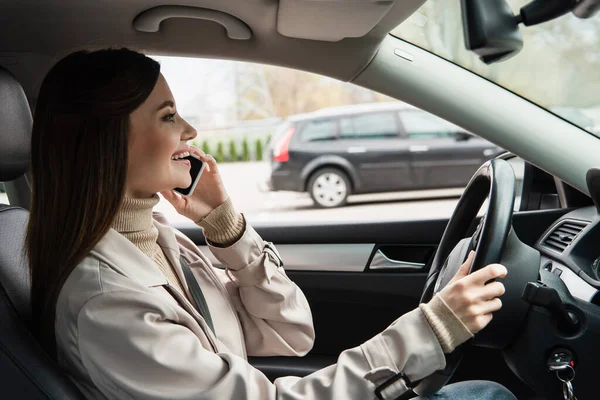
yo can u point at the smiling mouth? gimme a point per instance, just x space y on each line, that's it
181 159
180 155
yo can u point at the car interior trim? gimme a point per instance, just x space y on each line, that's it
318 257
382 262
150 20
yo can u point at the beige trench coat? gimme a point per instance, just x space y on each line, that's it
123 333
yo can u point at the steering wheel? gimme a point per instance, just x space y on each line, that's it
495 181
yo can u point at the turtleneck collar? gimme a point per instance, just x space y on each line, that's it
134 221
135 214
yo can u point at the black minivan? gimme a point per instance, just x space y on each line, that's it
368 148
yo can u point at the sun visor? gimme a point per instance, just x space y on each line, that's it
330 20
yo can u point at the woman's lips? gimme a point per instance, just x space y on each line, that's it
183 161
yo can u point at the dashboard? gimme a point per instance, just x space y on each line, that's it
570 248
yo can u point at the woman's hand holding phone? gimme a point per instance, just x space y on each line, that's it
470 299
208 194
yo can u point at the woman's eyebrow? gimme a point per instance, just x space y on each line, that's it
167 103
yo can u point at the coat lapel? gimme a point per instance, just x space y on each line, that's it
124 257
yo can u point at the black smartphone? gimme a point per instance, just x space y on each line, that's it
196 169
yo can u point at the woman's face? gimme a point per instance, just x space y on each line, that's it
157 135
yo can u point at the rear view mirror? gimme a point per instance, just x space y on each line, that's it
491 29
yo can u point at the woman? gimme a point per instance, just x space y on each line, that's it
109 293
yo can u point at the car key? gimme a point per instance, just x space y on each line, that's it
561 359
562 362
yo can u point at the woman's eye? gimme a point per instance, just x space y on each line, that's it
169 117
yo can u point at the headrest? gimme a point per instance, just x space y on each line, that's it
15 128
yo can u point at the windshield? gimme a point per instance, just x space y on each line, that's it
558 67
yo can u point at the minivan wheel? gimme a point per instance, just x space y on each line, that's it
329 187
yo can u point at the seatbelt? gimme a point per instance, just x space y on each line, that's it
197 294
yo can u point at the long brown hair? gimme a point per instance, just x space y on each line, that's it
79 165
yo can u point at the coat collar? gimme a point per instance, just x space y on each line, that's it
124 257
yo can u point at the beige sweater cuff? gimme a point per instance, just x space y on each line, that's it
223 226
448 328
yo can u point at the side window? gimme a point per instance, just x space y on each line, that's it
369 126
264 124
421 125
316 130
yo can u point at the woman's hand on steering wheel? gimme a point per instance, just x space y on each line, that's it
470 298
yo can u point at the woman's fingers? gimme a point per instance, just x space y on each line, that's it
465 268
492 290
211 163
490 306
471 299
486 274
480 322
172 197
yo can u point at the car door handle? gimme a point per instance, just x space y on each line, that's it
357 149
382 262
418 149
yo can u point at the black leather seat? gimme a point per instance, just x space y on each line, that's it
26 371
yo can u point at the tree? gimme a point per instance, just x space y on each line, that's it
245 150
220 157
259 150
205 147
232 151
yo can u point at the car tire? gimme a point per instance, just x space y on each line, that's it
329 188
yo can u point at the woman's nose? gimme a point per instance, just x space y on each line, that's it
189 132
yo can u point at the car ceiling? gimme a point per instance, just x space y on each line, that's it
36 33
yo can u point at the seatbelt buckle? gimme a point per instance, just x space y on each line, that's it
409 394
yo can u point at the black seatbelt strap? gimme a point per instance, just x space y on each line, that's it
197 294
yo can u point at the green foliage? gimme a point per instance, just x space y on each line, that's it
245 150
205 147
259 150
232 151
220 156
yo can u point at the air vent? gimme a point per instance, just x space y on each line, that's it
563 234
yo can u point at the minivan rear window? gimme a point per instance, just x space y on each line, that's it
319 129
422 125
369 126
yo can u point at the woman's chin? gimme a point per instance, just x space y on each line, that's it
184 183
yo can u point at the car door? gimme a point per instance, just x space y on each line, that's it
442 155
373 145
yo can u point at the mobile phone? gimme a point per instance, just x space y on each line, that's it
196 169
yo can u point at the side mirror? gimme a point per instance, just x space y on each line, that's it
462 136
491 30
